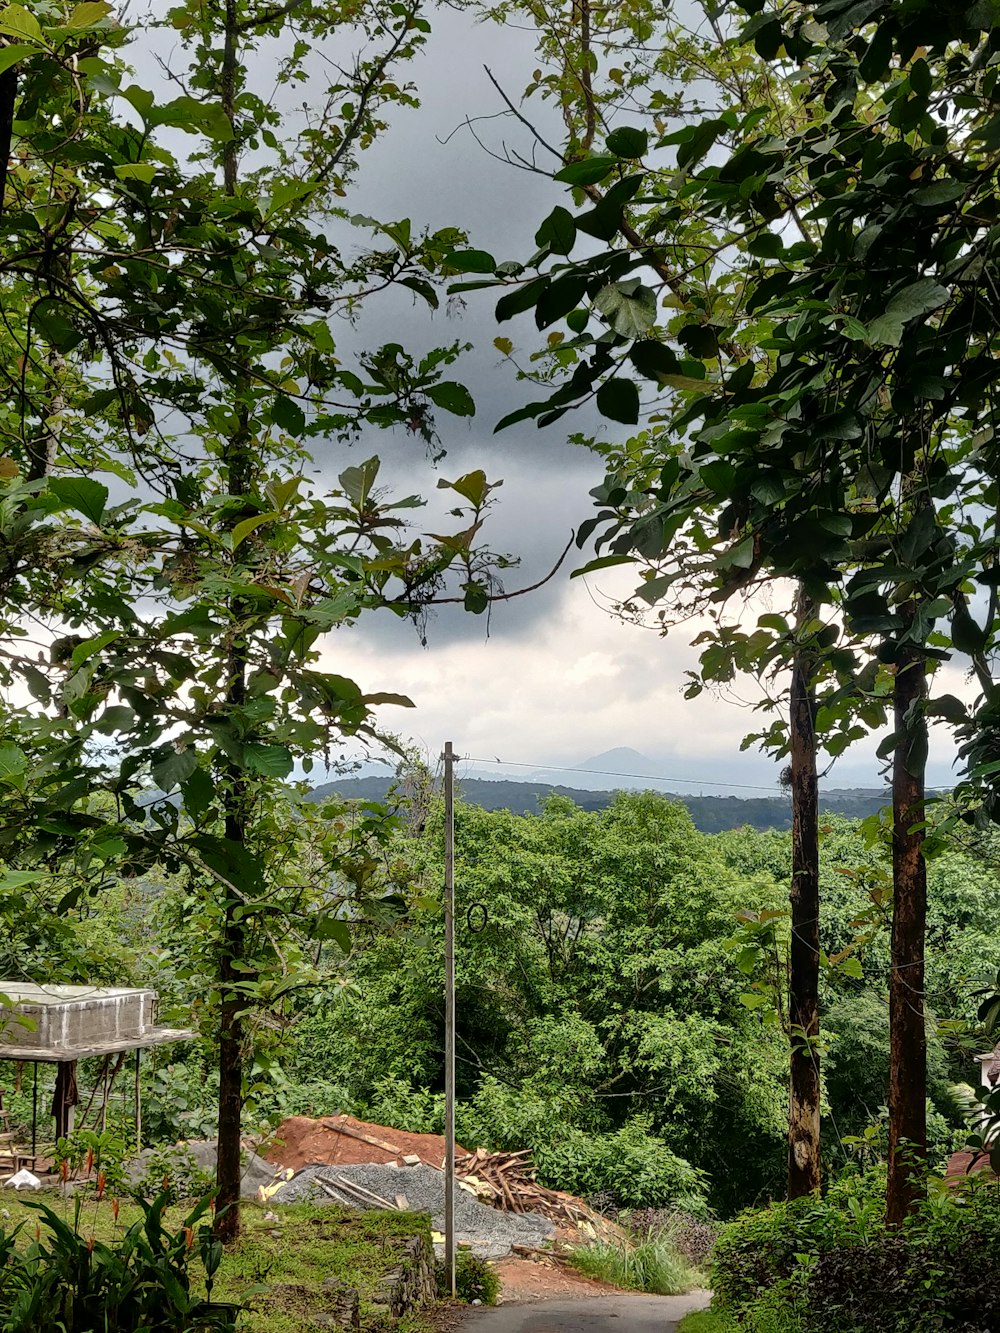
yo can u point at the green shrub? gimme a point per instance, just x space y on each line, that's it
830 1266
66 1282
691 1235
632 1164
475 1279
652 1265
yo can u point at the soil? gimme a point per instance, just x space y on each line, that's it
300 1141
543 1279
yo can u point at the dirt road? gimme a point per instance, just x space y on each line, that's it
618 1313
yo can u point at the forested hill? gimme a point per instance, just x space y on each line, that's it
711 814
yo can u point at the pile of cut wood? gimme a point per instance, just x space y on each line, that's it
505 1180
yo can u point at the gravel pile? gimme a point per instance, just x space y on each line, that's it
489 1232
189 1166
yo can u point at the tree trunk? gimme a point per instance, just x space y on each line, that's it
803 984
229 1170
907 1027
235 800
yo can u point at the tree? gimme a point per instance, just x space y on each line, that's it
850 455
170 323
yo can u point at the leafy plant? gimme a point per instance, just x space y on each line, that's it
829 1265
68 1282
691 1235
652 1265
475 1279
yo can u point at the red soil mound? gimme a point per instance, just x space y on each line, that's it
300 1141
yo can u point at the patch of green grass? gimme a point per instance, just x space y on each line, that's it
651 1265
277 1267
768 1317
707 1321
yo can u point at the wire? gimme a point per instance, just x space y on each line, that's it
610 773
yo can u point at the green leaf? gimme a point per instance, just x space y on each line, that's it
397 700
10 55
288 193
187 113
87 14
701 340
137 171
173 767
588 171
559 298
618 399
453 397
270 761
358 481
13 764
199 792
11 881
558 232
81 494
473 486
521 299
243 529
687 382
84 651
653 359
700 139
51 318
629 307
919 298
288 415
627 142
325 926
470 261
20 22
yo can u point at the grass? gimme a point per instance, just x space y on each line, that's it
651 1265
769 1317
707 1321
277 1267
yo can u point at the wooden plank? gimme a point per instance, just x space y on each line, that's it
338 1128
334 1194
402 1202
514 1207
343 1183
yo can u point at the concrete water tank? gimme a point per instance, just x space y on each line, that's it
64 1018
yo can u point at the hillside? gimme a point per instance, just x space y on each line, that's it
711 814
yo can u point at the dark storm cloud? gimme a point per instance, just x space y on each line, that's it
433 171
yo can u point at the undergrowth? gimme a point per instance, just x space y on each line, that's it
651 1265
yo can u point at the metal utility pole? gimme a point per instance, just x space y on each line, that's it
449 1015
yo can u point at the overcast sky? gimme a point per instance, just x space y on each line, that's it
558 679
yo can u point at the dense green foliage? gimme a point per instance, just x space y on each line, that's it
615 1004
618 999
599 1014
711 814
827 1266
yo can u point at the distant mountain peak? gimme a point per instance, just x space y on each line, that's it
622 759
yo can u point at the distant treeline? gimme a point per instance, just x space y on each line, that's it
711 814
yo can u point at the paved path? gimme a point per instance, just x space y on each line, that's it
619 1313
